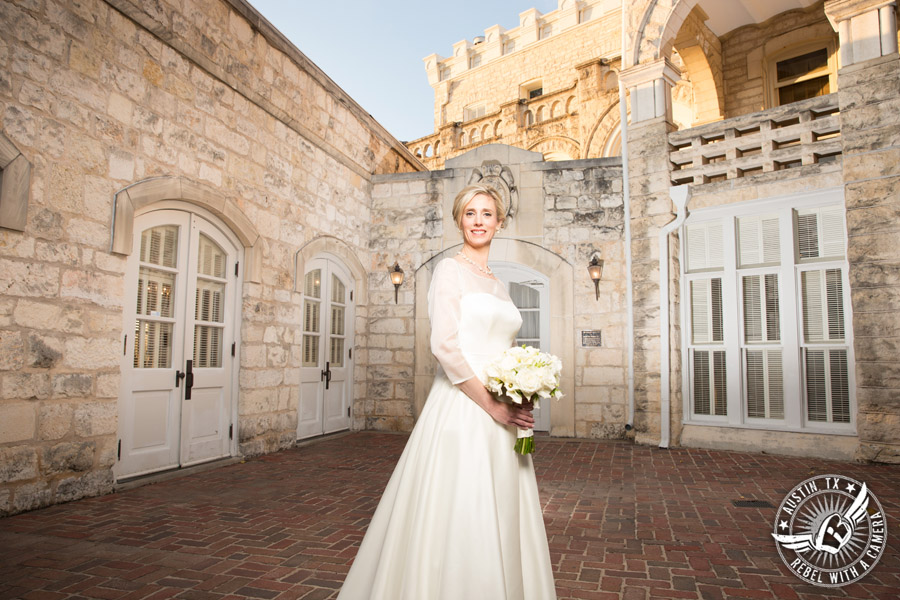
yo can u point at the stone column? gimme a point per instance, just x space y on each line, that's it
649 87
869 96
867 28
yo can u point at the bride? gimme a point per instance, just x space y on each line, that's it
460 518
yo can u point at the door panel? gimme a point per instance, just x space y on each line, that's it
182 313
326 374
530 292
207 414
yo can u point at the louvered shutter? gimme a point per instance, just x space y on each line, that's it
764 384
706 311
820 233
827 386
762 321
758 241
704 246
710 382
823 305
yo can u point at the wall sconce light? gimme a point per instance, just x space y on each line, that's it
396 278
595 268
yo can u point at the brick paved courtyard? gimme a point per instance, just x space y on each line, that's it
624 521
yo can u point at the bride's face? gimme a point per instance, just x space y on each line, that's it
480 221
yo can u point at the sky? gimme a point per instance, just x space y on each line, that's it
373 49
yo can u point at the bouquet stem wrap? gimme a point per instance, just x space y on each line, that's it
524 441
524 374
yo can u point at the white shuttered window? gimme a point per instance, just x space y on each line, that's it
709 390
767 338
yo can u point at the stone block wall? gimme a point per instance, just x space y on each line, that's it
584 216
100 95
871 172
407 228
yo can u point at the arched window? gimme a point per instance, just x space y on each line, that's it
540 114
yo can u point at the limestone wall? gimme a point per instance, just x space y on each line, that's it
408 227
871 173
100 95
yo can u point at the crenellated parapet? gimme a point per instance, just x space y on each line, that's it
498 42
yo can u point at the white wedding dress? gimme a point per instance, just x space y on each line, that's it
460 518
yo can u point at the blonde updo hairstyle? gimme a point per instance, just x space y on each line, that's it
467 193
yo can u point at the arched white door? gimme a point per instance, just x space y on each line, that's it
326 373
176 402
530 292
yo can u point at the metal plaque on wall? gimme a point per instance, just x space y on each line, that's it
590 338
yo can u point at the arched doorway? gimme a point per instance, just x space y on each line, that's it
326 373
177 401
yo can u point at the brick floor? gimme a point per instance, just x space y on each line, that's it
624 521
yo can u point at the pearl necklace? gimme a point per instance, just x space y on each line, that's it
474 264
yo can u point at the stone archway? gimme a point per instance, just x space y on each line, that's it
131 200
606 127
327 244
557 148
659 26
562 338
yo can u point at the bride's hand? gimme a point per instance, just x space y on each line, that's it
502 412
513 414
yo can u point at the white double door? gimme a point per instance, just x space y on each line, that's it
326 373
176 404
530 292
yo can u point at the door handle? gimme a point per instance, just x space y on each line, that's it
178 377
189 379
326 374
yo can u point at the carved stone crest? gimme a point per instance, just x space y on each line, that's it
499 177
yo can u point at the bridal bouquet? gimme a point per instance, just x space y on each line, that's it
524 374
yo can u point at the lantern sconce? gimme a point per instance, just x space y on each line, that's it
396 278
595 268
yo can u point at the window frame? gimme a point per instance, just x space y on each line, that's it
792 341
473 112
526 89
772 85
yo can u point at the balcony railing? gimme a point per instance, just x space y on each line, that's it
802 133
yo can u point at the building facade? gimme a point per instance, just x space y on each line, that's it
549 85
757 159
168 179
196 227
